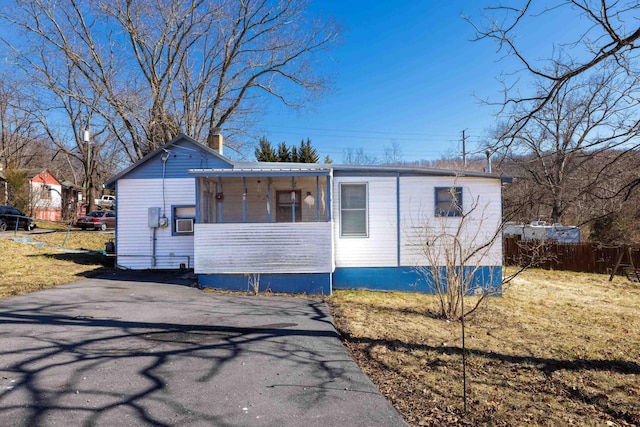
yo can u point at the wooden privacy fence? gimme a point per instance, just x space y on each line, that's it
582 257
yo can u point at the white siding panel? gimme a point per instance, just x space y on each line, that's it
134 238
417 207
379 249
263 248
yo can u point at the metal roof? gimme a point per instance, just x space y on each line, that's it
243 168
299 169
280 171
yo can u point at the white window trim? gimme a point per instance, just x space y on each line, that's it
366 211
451 213
174 218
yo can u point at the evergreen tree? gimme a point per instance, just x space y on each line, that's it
327 160
284 154
295 156
265 153
307 154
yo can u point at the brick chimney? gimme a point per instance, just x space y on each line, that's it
215 140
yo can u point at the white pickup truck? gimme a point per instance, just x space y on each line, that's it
106 201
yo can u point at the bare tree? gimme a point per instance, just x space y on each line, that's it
393 154
152 68
19 132
454 247
594 47
71 123
588 116
357 156
607 35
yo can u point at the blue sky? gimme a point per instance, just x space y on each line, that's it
402 73
409 72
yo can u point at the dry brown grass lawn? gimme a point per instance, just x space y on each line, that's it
26 268
558 348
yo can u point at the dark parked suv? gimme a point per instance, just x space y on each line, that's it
9 216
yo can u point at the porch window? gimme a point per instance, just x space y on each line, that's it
286 200
353 210
183 219
448 201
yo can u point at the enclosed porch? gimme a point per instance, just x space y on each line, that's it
272 225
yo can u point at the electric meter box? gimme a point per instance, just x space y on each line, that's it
154 217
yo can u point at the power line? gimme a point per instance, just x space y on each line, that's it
365 134
349 130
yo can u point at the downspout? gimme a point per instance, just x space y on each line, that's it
153 248
163 158
329 184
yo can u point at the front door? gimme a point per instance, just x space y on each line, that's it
285 204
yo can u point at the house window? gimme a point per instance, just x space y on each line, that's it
45 192
353 210
183 219
448 201
285 201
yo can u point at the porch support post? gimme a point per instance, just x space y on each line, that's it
317 200
219 208
244 200
198 197
329 181
269 200
293 199
398 215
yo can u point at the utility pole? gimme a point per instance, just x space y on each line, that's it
464 149
89 171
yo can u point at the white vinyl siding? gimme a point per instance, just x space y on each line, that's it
46 196
263 248
380 247
134 237
417 201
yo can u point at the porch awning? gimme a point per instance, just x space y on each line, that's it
261 172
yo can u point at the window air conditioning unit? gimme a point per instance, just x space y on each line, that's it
184 225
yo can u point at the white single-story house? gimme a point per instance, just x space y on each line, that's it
303 228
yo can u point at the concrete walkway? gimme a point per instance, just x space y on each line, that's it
146 350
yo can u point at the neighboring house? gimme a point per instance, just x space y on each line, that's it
72 206
45 195
304 228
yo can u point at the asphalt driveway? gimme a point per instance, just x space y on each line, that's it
146 350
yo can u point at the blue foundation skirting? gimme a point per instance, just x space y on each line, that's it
309 283
407 279
403 279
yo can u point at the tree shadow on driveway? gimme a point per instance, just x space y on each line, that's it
112 353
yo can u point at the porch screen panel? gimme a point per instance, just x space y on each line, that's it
353 210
